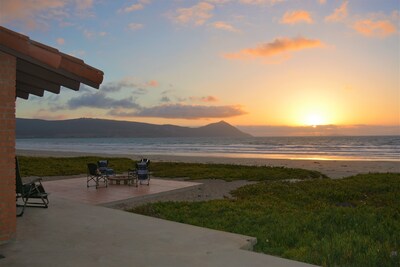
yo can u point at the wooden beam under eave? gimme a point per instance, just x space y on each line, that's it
40 72
37 82
21 94
29 89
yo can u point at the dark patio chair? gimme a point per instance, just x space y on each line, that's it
142 171
95 175
103 167
32 194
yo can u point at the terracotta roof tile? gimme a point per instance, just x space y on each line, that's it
45 57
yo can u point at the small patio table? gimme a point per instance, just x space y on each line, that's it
129 179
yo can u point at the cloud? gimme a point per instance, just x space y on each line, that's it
204 99
322 2
83 4
101 101
197 14
26 11
88 34
165 99
34 14
135 26
339 14
134 7
375 28
219 2
93 34
179 111
260 2
320 130
152 83
125 84
45 115
60 41
209 99
129 107
224 26
276 47
296 16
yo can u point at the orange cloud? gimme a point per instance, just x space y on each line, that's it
339 14
204 99
224 26
278 46
60 41
197 14
134 7
259 2
152 83
378 28
35 14
296 16
26 10
209 99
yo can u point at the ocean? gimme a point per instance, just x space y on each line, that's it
366 148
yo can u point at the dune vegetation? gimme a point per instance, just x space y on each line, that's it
348 222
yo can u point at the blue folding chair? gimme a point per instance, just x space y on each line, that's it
142 171
103 168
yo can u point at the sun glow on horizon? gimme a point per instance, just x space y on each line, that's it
314 116
314 119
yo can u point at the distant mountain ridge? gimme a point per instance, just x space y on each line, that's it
81 128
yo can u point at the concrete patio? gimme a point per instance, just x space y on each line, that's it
75 189
74 233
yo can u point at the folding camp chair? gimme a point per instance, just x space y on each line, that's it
95 175
28 192
142 171
103 167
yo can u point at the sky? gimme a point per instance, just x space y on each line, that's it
270 67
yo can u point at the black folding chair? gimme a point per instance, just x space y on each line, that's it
95 175
32 194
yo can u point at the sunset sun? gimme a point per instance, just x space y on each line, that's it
314 119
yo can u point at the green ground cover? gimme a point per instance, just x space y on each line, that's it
230 172
348 222
52 166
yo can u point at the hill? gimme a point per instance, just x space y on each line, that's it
81 128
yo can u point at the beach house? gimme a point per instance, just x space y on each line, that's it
28 67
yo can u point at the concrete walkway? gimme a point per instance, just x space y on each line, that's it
69 233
